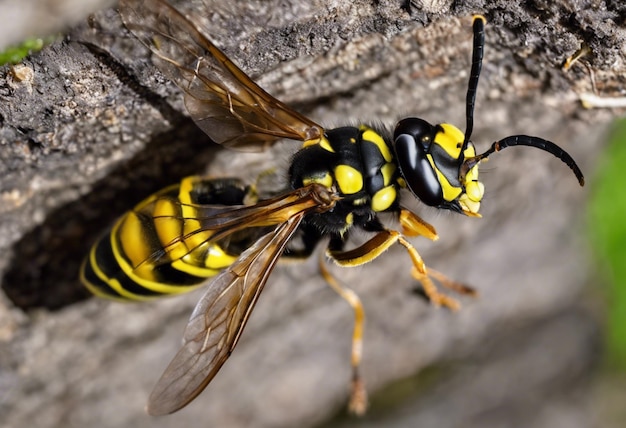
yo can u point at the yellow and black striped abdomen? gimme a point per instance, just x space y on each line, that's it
161 247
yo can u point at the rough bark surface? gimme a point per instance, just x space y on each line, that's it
88 128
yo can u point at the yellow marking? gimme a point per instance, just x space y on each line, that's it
130 233
470 151
192 235
193 269
217 258
450 138
93 288
349 179
401 182
359 202
312 141
370 135
481 17
349 219
472 175
383 198
323 142
475 190
195 238
204 261
450 192
143 273
111 282
324 179
158 287
168 225
413 225
387 171
184 191
470 208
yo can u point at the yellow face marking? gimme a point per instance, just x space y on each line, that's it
469 207
370 135
475 190
349 179
383 199
450 139
450 192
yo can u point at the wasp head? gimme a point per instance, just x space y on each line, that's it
432 163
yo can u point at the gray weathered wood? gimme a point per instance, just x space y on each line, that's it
95 128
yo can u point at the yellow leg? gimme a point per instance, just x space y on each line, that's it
385 239
420 273
414 225
368 252
451 284
358 394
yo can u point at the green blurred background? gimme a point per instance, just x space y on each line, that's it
607 236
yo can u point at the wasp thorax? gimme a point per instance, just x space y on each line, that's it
431 159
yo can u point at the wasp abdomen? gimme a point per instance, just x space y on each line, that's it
161 247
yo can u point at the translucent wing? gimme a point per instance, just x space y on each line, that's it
225 103
198 224
220 316
218 321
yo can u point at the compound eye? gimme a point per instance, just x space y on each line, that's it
417 171
419 129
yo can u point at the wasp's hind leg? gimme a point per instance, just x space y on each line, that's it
358 393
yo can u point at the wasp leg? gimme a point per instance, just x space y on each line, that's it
451 284
358 393
413 225
308 238
381 242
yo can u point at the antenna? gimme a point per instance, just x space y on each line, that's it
477 62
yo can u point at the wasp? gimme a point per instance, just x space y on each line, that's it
220 233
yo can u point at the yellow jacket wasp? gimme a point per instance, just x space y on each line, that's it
339 181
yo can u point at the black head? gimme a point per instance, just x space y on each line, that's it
438 163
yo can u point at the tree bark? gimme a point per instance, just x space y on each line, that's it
88 128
